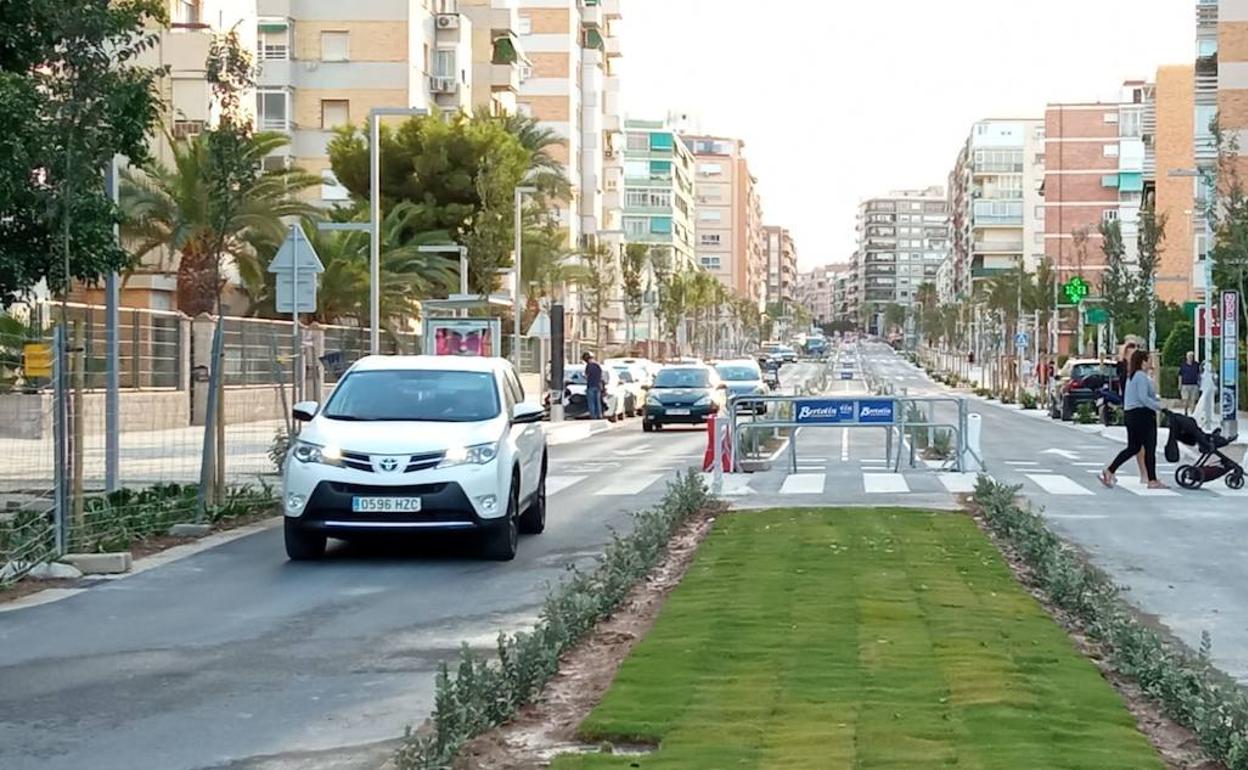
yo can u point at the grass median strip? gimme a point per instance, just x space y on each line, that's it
854 638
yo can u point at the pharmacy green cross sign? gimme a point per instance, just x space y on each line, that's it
1075 289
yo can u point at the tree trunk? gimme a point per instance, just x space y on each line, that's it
197 276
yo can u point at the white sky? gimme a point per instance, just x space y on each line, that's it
839 100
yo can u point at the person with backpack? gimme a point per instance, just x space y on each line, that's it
1141 406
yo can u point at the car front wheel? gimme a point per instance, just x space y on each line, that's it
503 537
533 522
303 544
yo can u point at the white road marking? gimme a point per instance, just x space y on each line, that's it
1021 462
844 445
1057 485
803 484
958 483
630 486
1089 465
1062 453
556 484
1134 486
884 483
641 450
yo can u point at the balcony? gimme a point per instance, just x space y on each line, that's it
1011 246
610 9
998 220
505 77
591 16
613 47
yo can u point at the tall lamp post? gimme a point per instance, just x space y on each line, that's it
374 206
1207 386
518 307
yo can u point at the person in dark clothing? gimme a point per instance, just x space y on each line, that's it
1142 405
1124 367
593 386
1189 382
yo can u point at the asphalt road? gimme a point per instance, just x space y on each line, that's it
237 658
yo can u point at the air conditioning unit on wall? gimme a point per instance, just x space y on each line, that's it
447 21
440 85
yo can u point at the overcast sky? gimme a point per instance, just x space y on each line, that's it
838 101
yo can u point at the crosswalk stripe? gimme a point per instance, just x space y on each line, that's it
556 484
803 484
884 483
1136 488
630 486
1057 485
958 483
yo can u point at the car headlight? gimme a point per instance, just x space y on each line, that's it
469 455
306 452
653 401
704 401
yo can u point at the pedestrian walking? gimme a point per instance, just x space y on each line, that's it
1142 405
593 385
1189 382
1124 373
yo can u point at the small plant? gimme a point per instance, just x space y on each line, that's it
1006 397
942 445
279 448
1027 400
1085 414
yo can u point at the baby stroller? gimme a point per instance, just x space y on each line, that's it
1212 464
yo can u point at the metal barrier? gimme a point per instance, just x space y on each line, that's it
887 413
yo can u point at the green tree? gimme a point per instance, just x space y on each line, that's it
461 170
1149 247
546 172
1229 214
597 281
894 317
632 281
1178 343
1119 287
73 97
174 207
548 263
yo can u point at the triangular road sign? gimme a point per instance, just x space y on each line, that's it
296 246
541 326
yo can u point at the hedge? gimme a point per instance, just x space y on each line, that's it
483 692
1189 689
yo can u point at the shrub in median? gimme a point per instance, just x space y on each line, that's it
1189 689
482 693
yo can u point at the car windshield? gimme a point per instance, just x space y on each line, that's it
625 376
737 372
574 375
683 378
417 395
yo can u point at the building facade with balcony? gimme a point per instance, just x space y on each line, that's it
781 266
1094 173
728 215
818 291
659 191
571 86
995 213
903 238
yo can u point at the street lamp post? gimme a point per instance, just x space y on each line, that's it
518 308
374 199
1207 386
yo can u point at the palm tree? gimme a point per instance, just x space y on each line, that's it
546 172
173 207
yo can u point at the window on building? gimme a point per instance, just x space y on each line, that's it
661 142
709 239
636 227
661 225
1111 117
636 169
273 40
444 63
186 12
711 263
273 110
1039 212
1132 124
638 142
710 169
660 169
1205 48
1038 238
1039 133
1110 150
1109 215
335 112
524 25
710 216
335 45
1039 159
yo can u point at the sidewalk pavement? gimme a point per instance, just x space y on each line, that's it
571 431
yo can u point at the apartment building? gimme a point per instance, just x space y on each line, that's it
728 215
903 238
1094 173
572 87
1169 144
995 206
817 291
781 265
659 190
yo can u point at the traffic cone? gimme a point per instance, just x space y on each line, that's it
708 459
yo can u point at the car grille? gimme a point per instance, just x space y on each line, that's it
413 490
419 462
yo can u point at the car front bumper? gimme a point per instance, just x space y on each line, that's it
459 497
662 414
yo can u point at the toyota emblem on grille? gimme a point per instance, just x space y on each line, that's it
389 464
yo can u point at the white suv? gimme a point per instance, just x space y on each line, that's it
417 443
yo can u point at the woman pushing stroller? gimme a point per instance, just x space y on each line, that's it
1141 406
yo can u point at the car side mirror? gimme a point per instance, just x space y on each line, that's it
304 411
526 413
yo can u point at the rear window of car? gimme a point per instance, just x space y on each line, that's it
738 373
1084 371
683 378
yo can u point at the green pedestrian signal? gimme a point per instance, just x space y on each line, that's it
1075 289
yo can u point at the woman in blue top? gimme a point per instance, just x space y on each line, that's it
1141 406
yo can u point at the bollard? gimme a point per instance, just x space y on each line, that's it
972 460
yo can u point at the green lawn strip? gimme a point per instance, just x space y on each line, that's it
854 638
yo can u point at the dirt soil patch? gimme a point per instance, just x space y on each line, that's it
548 726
